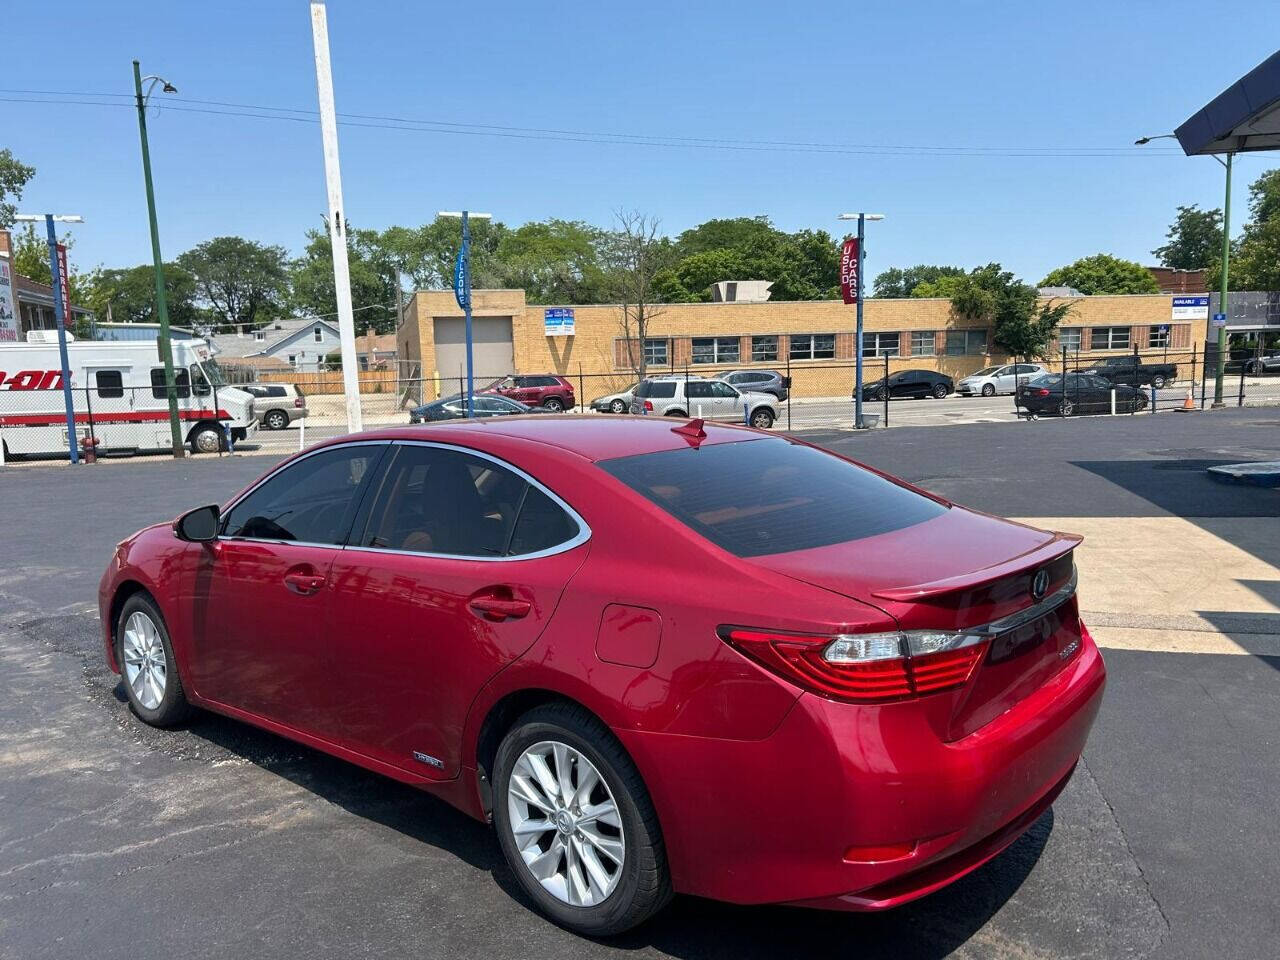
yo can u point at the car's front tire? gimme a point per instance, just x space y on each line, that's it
617 406
576 824
1157 381
147 665
940 391
762 419
208 439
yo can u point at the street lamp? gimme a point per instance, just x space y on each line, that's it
60 317
462 290
1220 372
862 219
162 306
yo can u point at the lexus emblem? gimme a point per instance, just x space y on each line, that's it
1039 584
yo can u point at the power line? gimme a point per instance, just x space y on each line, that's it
375 121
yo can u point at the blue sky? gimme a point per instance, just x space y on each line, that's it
956 75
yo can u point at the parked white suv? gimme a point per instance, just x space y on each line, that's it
1002 379
708 399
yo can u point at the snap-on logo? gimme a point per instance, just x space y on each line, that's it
31 380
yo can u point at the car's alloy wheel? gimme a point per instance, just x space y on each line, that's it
1065 408
207 440
988 390
940 390
882 394
617 406
554 404
762 419
1157 381
145 656
275 420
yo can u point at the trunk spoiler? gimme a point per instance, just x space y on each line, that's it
1061 543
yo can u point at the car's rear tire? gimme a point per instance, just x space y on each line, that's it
1140 402
275 420
940 391
554 404
617 406
208 439
557 766
1158 381
1065 408
147 666
988 390
762 419
675 413
882 394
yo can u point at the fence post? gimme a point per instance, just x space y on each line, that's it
1193 369
791 389
582 390
1204 374
1240 399
886 390
88 405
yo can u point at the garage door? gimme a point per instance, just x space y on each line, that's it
491 347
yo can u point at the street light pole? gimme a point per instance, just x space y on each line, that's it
162 306
462 292
862 218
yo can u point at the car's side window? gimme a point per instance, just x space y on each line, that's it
311 501
723 390
698 390
441 501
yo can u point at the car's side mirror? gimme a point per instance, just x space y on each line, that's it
199 525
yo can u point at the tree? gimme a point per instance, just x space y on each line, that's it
899 283
373 272
558 261
31 260
13 177
1255 255
723 234
427 253
241 283
635 256
1195 239
1101 274
1020 324
128 295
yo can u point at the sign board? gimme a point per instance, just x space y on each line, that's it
558 322
8 305
1219 319
62 278
1190 308
461 280
849 270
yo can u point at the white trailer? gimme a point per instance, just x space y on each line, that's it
118 393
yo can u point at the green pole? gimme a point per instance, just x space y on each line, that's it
162 308
1222 295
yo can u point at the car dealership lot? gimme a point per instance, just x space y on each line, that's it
219 840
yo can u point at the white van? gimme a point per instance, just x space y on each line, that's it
118 393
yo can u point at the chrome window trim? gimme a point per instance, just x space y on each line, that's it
582 536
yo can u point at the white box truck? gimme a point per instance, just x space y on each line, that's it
118 392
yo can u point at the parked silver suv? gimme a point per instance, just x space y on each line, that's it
278 404
709 399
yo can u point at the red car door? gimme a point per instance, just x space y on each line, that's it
455 574
262 591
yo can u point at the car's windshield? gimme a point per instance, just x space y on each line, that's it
210 370
985 372
771 496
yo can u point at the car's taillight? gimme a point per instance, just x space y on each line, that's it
866 667
648 405
1041 392
298 402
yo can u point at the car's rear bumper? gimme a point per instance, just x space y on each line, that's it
789 819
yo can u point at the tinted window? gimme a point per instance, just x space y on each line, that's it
657 389
110 383
276 392
181 382
771 496
310 501
433 500
699 390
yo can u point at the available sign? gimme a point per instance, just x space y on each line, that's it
8 305
849 270
1190 308
62 276
558 322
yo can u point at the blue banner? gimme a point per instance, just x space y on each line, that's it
461 278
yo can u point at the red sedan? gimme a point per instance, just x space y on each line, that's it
658 656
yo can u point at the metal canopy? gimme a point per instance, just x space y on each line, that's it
1244 117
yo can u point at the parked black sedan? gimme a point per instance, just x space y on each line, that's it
1078 393
455 408
910 383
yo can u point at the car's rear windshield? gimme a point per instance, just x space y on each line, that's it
767 496
657 389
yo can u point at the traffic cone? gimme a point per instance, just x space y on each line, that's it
1188 402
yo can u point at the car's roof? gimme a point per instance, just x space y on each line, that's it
593 437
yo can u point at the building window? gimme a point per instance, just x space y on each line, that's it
922 343
1109 338
318 334
293 361
1158 337
813 346
880 344
764 349
1069 339
966 343
715 349
656 352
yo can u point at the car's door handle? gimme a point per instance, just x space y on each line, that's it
303 583
498 609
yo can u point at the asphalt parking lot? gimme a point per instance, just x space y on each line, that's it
217 840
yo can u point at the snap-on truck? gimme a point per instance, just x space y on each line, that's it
119 397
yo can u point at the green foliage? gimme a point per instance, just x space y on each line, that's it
128 296
1255 254
427 253
558 261
1195 239
1103 273
13 177
1264 197
239 282
898 283
373 279
31 260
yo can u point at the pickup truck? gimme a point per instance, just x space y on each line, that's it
1133 372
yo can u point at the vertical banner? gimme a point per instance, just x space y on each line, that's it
461 268
8 305
66 298
849 270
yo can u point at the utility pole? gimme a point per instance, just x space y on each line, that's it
162 308
337 223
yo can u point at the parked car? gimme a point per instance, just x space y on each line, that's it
1248 360
484 405
784 714
614 402
278 404
708 399
1004 378
536 390
909 383
1134 372
1268 363
1078 393
758 381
